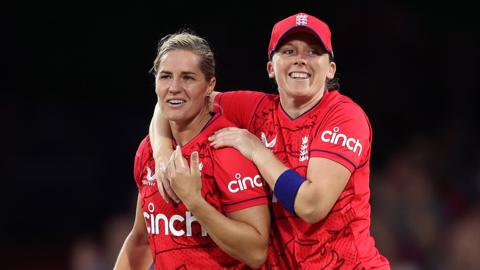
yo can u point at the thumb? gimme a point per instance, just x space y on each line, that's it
194 162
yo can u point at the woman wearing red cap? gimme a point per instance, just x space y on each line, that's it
312 146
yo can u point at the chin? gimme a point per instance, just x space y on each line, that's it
300 92
175 116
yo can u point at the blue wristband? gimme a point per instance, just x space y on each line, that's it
286 188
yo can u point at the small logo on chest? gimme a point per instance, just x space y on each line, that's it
150 178
268 144
304 149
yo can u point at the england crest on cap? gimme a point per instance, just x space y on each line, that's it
301 19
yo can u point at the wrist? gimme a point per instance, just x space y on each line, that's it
193 202
260 155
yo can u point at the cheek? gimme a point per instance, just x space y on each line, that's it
198 94
161 88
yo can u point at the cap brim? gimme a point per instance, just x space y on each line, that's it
299 29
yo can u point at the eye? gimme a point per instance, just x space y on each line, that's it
188 78
288 51
164 76
314 52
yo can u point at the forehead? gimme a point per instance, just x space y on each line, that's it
301 37
182 60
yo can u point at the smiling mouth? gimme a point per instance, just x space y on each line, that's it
299 75
175 102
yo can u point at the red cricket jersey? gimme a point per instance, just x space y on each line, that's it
230 182
336 128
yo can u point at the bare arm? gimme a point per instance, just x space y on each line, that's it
161 141
135 252
242 234
324 182
160 134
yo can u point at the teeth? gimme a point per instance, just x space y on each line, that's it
176 101
299 75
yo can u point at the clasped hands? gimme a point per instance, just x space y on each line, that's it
178 181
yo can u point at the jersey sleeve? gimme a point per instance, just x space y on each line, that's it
344 137
239 181
238 106
140 159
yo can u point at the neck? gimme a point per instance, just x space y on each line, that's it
184 131
296 106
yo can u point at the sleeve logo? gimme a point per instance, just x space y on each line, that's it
241 184
334 137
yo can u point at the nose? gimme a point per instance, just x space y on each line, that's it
300 59
174 86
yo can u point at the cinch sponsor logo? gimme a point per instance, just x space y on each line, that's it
334 137
240 184
153 223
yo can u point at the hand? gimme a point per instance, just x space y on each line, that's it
240 139
163 184
184 180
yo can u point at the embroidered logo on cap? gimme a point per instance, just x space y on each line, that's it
301 19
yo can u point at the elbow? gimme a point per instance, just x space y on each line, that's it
257 260
257 255
310 215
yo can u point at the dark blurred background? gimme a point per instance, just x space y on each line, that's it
76 99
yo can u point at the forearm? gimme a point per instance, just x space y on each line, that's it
309 202
238 239
160 136
269 166
135 254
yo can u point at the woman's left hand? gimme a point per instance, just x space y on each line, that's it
184 180
240 139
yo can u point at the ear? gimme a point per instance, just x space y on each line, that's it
331 70
270 71
211 86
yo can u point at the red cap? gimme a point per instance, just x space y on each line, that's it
300 22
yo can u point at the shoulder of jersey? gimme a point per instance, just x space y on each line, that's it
145 148
343 102
228 155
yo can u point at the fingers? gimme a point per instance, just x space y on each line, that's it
160 183
194 164
225 139
170 174
179 160
160 177
226 129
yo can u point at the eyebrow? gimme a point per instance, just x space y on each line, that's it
182 73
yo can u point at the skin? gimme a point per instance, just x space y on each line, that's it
301 67
182 92
135 252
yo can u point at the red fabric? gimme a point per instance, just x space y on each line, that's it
342 239
178 243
